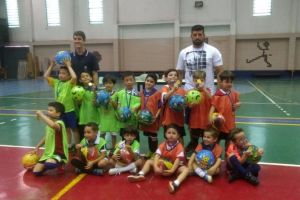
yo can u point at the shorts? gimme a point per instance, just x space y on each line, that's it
70 120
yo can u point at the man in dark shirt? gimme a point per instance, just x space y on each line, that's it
83 60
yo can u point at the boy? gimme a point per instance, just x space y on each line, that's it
62 91
55 141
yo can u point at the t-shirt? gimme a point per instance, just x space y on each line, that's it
92 151
135 146
205 58
62 92
171 153
88 112
233 149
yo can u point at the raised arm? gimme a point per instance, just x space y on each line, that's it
41 116
71 71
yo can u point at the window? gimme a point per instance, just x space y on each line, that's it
53 16
262 7
96 11
12 13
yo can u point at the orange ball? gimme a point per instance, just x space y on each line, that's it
29 160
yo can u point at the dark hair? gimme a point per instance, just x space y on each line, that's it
64 68
153 76
108 78
234 132
199 74
59 107
226 75
197 28
174 126
130 130
214 132
79 33
171 70
126 74
93 125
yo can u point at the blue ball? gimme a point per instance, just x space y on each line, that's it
177 103
61 56
145 117
103 97
124 114
205 159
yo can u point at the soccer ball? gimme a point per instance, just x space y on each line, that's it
61 56
126 156
29 160
177 103
145 117
218 120
205 159
77 93
255 156
102 97
193 97
124 114
164 164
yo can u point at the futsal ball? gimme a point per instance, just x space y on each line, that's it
77 93
164 164
255 156
124 114
29 160
218 120
61 56
90 153
205 159
177 103
145 117
125 156
103 97
193 97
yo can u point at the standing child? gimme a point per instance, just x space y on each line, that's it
210 142
169 116
62 91
88 111
237 155
127 99
171 151
225 101
151 101
55 141
198 116
126 155
108 120
92 153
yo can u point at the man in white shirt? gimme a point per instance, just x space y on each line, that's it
199 56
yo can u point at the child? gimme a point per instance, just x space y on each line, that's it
87 110
151 100
171 150
92 152
237 155
108 118
209 142
131 148
225 101
62 91
170 116
127 97
55 141
198 115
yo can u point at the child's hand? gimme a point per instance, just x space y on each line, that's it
39 114
237 105
260 151
177 84
116 156
78 146
167 172
89 165
67 63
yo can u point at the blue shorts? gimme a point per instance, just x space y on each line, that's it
70 120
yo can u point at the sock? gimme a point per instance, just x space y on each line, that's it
153 143
127 168
236 165
49 165
176 182
141 173
200 172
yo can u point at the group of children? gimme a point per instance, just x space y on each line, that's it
94 157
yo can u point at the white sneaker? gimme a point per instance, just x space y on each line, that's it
208 178
114 171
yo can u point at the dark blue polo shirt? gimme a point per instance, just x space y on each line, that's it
86 62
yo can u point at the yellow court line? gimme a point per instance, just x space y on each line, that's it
68 187
262 123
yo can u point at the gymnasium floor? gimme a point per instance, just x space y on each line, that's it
270 116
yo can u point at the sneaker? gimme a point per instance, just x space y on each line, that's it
233 176
136 178
208 178
251 179
114 171
97 172
172 187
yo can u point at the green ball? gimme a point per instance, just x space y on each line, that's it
193 97
255 157
77 93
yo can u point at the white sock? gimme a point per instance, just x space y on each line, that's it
127 168
176 182
141 173
200 172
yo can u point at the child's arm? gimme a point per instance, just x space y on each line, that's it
37 147
211 111
191 161
171 171
212 170
72 73
40 115
48 71
90 164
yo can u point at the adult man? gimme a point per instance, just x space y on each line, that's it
83 60
199 56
